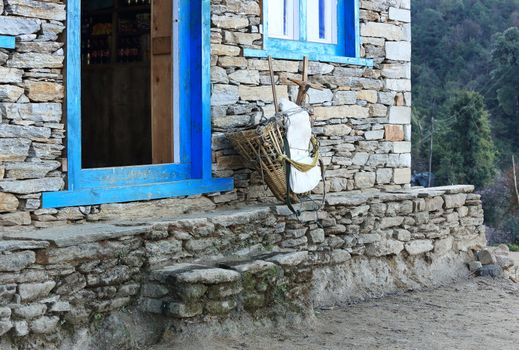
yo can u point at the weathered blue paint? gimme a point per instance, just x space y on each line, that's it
7 42
347 49
132 175
313 56
192 175
322 25
303 32
285 14
185 79
352 21
142 192
194 35
205 98
73 86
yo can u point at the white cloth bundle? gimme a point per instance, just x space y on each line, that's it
299 132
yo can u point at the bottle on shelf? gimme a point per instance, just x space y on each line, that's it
88 52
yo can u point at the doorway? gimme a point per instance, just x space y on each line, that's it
191 172
127 83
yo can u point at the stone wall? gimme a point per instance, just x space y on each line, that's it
60 287
362 115
31 96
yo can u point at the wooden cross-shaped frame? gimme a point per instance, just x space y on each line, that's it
304 84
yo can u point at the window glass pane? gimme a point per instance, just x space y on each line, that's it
283 19
322 21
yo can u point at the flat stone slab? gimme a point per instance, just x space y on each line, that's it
70 235
429 193
423 192
396 196
344 198
14 245
290 259
455 189
193 273
209 276
172 270
254 266
239 216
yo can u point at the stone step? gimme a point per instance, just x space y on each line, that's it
252 285
194 273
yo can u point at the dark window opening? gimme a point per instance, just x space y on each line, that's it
126 83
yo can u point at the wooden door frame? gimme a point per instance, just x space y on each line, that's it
193 173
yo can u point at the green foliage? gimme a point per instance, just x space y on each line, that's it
456 46
501 209
466 152
468 45
504 99
513 247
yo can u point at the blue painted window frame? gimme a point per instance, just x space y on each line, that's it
7 42
347 49
193 174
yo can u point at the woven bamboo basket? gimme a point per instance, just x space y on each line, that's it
263 146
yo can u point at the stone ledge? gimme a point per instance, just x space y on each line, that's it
358 198
71 235
74 234
437 191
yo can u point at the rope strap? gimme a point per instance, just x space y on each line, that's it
303 167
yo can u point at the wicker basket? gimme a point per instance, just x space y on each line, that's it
263 146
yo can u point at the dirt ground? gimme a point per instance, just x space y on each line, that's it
479 313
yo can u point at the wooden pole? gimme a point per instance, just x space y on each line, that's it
273 84
515 179
303 89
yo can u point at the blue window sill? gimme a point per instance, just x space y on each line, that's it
291 55
7 42
120 194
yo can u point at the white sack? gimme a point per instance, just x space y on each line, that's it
299 132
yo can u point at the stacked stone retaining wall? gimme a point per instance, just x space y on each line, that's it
62 286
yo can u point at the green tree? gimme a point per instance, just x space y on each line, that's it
504 99
452 51
465 148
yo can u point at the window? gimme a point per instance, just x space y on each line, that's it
323 30
283 15
322 21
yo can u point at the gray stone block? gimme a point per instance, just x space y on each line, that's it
16 261
33 291
490 271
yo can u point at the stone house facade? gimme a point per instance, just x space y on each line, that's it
362 115
85 266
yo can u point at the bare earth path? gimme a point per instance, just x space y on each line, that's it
479 313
